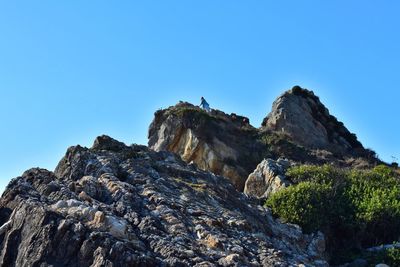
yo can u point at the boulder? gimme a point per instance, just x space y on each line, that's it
267 178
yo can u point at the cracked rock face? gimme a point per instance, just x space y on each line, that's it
267 178
117 205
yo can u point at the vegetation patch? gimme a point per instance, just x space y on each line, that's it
303 205
389 256
355 209
280 145
197 114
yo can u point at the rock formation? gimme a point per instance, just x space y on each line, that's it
118 205
299 114
225 144
267 178
298 128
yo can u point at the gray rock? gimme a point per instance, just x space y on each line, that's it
117 205
230 260
299 114
267 179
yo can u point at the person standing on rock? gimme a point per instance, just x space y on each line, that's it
204 105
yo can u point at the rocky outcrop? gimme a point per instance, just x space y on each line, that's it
298 128
225 144
117 205
299 114
267 178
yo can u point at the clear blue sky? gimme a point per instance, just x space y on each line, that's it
73 70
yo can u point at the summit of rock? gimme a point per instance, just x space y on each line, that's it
300 115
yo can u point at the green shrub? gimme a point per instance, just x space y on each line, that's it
376 198
392 257
389 256
354 209
196 114
318 174
303 204
280 145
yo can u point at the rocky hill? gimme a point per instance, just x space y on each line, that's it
179 201
299 128
118 205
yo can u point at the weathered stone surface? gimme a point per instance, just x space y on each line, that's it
117 205
300 114
267 178
298 128
224 144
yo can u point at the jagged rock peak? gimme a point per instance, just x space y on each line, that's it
117 205
300 114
